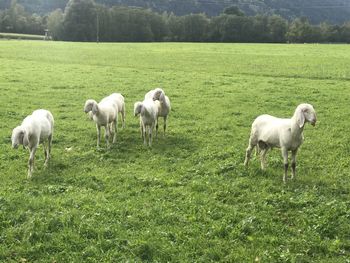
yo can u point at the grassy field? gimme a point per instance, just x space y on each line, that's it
188 198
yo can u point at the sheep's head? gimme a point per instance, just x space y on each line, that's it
89 105
137 108
306 113
17 137
158 94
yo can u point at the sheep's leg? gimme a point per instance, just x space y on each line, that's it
248 153
164 125
50 145
144 134
114 124
257 150
150 135
45 153
107 134
115 128
157 128
285 162
294 163
98 128
141 129
123 117
31 161
263 158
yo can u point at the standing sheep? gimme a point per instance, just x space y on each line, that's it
35 129
268 132
164 106
148 110
105 114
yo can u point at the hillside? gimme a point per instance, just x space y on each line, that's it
335 11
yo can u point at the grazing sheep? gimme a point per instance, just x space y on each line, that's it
35 129
268 132
105 114
164 106
148 110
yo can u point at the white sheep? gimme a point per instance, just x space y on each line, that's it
35 129
148 110
105 113
149 95
164 106
268 132
119 100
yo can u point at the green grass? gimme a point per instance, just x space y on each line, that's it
21 36
188 198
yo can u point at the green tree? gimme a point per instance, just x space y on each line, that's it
176 27
277 27
55 24
80 21
233 10
195 27
300 31
345 33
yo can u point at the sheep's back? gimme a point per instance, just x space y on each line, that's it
107 109
149 112
268 129
38 128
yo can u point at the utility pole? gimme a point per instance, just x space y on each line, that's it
97 27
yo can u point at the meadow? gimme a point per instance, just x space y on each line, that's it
188 198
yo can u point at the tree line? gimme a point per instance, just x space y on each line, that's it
84 20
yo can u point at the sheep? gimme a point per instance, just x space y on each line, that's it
105 113
119 99
149 95
121 106
148 110
268 132
164 106
35 129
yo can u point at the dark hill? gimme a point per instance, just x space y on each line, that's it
334 11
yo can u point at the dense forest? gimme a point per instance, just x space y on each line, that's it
85 20
317 11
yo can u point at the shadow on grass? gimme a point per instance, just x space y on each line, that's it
131 145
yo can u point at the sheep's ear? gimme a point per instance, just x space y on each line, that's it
20 136
137 108
94 108
301 118
25 138
162 96
87 106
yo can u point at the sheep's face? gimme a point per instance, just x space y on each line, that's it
137 108
308 113
88 106
157 93
17 137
